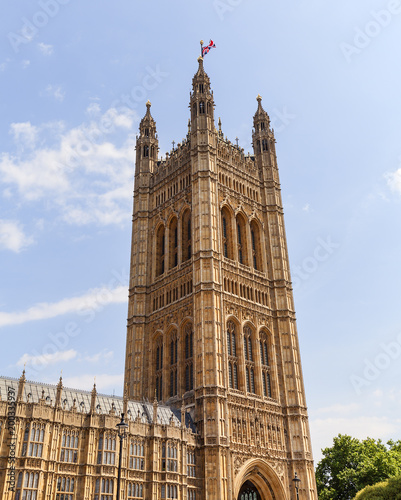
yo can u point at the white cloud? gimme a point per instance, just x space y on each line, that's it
85 305
55 91
338 409
12 236
394 180
104 382
25 63
46 359
85 173
46 49
104 355
24 133
306 208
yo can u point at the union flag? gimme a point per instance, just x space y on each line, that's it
206 49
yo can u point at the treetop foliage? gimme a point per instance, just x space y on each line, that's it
350 465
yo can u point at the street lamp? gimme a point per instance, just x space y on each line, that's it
296 482
122 432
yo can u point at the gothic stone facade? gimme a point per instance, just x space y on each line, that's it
62 444
211 322
211 340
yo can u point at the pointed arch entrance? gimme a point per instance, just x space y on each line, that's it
258 477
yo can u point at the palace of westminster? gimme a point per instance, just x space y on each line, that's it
213 394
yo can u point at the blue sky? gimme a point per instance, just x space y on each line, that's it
75 77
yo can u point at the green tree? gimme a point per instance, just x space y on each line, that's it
350 465
387 490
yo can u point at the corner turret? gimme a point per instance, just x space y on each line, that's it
147 144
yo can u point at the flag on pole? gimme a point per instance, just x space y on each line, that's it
206 49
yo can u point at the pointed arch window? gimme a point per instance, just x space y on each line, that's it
226 234
173 364
264 360
27 485
249 360
201 88
160 251
186 239
265 146
146 132
242 240
145 151
256 246
201 108
189 368
173 243
232 355
159 369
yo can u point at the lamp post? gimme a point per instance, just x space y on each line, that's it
122 432
296 482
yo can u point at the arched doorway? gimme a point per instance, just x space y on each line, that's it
249 492
261 479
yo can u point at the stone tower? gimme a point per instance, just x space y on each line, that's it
211 321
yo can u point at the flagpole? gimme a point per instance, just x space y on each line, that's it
201 44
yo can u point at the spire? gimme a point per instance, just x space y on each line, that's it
147 144
21 385
155 405
93 398
262 135
59 391
260 114
201 103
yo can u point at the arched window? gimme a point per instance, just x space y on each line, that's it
264 361
173 364
146 151
248 492
249 360
27 485
201 88
265 146
201 108
242 240
256 246
186 237
232 355
159 368
146 132
226 234
160 251
173 243
189 366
